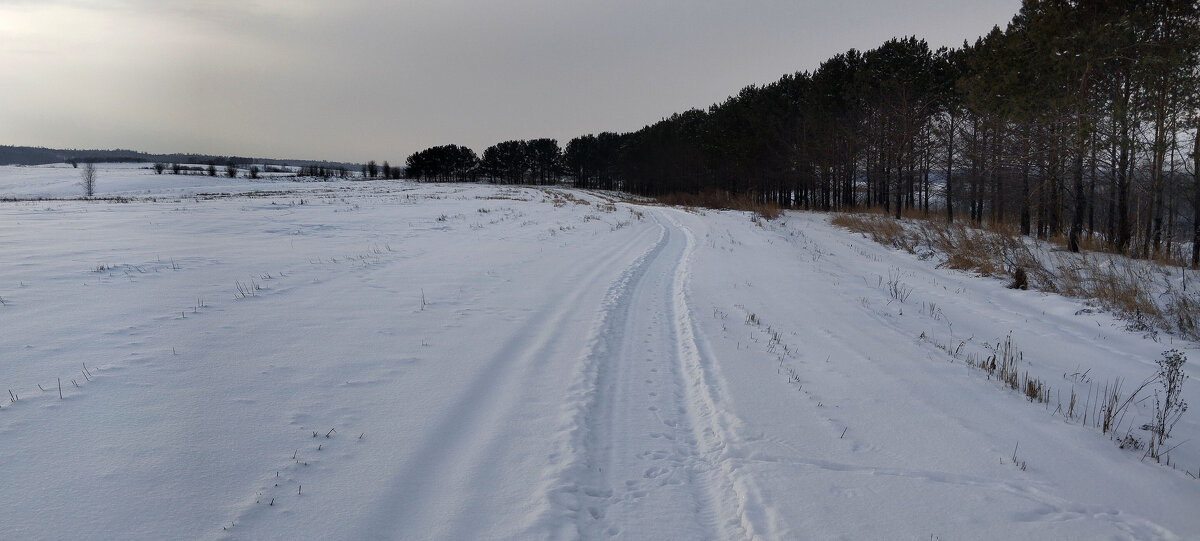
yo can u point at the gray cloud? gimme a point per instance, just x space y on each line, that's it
362 79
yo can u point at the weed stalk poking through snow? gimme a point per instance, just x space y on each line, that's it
1168 407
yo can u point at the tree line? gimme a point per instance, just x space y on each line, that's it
1079 119
534 161
232 167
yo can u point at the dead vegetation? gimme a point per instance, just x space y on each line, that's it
1103 408
722 200
1146 293
560 198
1002 364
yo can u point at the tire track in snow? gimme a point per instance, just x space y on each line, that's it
741 503
465 462
649 442
587 421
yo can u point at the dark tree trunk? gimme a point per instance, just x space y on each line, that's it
1196 200
950 172
1091 202
1080 199
1123 223
1025 195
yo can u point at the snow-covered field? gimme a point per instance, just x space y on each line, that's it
386 360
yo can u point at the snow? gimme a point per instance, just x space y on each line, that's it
425 361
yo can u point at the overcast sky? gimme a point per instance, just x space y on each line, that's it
355 80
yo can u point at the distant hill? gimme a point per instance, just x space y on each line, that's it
17 155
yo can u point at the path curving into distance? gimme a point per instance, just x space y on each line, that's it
652 437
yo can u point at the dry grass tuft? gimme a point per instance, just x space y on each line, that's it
1124 288
879 229
989 253
1141 291
722 200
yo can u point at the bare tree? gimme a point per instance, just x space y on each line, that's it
88 179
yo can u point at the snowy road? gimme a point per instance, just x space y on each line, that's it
642 437
475 458
652 435
399 361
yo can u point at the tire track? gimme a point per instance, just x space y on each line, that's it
453 467
649 438
737 498
579 499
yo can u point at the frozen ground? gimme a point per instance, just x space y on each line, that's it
366 360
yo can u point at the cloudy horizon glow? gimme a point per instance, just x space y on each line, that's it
366 79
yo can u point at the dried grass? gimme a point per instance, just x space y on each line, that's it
879 229
1140 291
722 200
